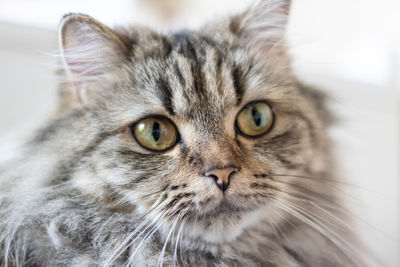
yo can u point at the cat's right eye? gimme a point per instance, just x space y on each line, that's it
155 133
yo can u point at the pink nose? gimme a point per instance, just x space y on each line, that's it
221 176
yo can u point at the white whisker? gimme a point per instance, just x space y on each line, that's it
160 260
311 221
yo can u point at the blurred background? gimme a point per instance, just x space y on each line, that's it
349 48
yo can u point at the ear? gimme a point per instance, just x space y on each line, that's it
89 48
263 26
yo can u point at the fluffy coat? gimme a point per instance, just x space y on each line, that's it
83 192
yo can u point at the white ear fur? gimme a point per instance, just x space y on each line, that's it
263 25
89 48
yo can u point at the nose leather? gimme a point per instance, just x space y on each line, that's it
221 176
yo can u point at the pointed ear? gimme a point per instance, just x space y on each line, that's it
88 47
263 26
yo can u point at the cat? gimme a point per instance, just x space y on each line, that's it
190 148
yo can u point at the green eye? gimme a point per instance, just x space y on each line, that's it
155 133
255 119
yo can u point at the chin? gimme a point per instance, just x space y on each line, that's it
225 223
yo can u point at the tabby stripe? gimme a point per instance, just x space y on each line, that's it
165 95
295 256
180 76
286 162
187 49
48 132
198 79
234 25
167 46
306 120
237 78
66 169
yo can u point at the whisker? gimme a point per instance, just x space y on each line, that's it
332 208
179 237
327 203
320 218
144 196
322 180
314 223
274 229
123 246
154 228
102 227
178 241
156 224
309 199
320 201
161 258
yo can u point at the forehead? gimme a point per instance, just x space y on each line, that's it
192 76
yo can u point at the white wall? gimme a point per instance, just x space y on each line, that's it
27 80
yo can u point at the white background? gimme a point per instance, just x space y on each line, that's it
350 48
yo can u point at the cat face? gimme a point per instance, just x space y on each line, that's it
194 127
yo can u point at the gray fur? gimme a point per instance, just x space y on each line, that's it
84 193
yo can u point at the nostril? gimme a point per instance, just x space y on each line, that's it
213 176
221 176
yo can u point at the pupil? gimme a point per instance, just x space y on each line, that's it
256 116
156 131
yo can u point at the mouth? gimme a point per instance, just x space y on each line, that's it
224 208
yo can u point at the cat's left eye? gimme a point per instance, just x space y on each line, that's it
155 133
255 119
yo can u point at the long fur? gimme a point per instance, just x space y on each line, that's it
83 192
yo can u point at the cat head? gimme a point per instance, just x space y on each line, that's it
209 127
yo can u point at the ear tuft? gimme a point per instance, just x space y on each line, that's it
263 25
88 47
